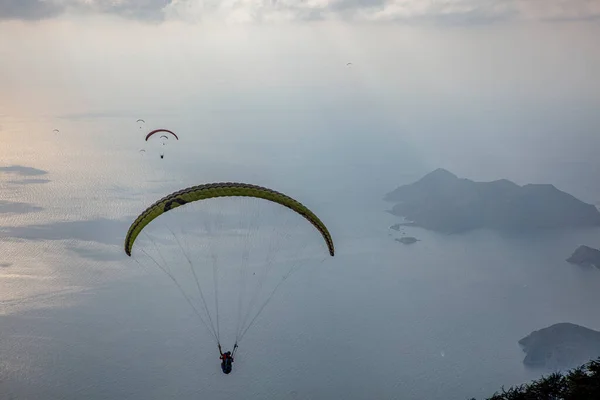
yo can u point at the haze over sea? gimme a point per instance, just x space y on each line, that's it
278 106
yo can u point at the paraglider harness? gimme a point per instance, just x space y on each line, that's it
227 358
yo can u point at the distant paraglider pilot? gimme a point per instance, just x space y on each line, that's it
226 360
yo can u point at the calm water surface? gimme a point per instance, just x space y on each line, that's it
438 319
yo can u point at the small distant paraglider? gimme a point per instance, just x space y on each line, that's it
56 131
140 122
349 64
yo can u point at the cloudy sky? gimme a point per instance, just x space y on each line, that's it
440 74
458 11
441 79
485 69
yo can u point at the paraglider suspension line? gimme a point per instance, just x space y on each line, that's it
215 332
187 298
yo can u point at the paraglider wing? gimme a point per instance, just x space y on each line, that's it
140 120
222 189
164 136
160 130
56 130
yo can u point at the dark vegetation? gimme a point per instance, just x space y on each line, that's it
582 383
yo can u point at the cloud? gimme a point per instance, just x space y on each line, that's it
110 254
22 170
101 230
98 115
28 9
557 10
405 11
105 236
14 207
138 9
44 9
28 181
442 12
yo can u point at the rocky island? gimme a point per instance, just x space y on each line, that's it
586 257
441 201
407 240
560 346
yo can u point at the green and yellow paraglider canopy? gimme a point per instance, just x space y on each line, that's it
222 189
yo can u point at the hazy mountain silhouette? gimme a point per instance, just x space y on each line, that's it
443 202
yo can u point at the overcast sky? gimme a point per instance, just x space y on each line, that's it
458 82
457 11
